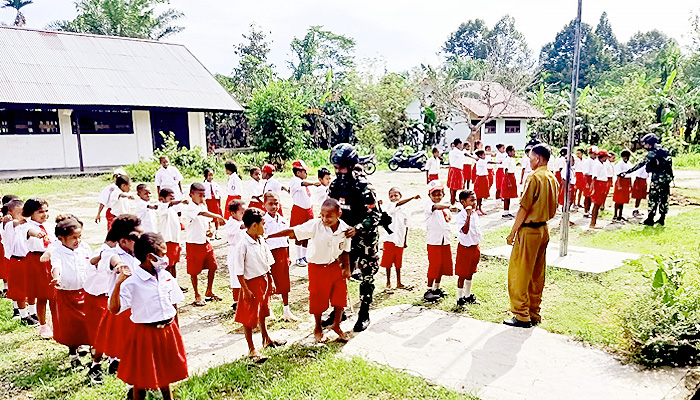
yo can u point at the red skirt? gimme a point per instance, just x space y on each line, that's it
481 187
112 334
492 177
500 175
110 218
455 180
572 192
639 190
509 188
600 192
467 260
327 285
3 264
621 195
580 181
17 279
467 173
153 357
256 204
200 257
95 311
248 310
439 261
68 317
588 188
300 215
557 174
280 270
214 206
433 177
38 277
173 253
392 256
228 200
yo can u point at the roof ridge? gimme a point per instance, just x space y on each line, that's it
22 29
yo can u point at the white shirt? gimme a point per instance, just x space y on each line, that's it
525 163
482 167
565 176
457 158
8 238
234 186
578 165
500 157
99 277
198 224
169 221
103 198
255 188
169 178
641 173
125 258
587 166
71 267
274 225
272 185
301 195
433 166
399 224
623 166
150 298
438 229
509 165
212 190
30 244
234 233
252 257
320 194
609 169
561 163
599 171
489 163
119 205
146 215
474 236
325 245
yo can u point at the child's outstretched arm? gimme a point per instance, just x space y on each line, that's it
404 201
284 232
212 215
440 207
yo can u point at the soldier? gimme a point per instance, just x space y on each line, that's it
359 204
659 164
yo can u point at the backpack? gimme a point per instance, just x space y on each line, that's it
662 163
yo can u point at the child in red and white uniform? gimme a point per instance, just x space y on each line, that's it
302 208
623 185
392 254
212 197
253 261
468 252
120 200
4 217
572 184
320 193
170 226
526 167
280 252
200 253
509 186
455 175
432 167
580 179
154 355
587 167
610 170
16 285
255 189
560 164
468 169
234 186
234 231
490 164
639 189
481 182
70 263
169 177
437 238
103 198
145 210
329 264
600 185
500 169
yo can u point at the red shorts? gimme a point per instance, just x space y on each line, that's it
95 311
228 200
481 186
500 176
433 177
455 180
249 310
256 204
467 173
467 260
439 261
588 186
392 256
17 279
280 270
68 317
572 192
110 218
509 187
173 253
580 181
214 206
327 285
492 177
38 278
200 257
300 215
153 357
112 334
600 192
557 174
639 190
621 195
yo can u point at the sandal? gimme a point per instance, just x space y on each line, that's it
258 359
199 303
275 343
212 298
405 287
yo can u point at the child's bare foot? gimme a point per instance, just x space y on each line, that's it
255 356
342 336
199 302
318 335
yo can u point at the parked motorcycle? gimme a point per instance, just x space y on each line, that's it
402 160
369 163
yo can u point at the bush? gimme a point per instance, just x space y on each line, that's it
191 162
687 160
142 171
663 322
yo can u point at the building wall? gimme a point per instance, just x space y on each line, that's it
198 132
458 128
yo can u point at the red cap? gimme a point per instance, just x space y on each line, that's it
299 164
433 186
268 168
602 152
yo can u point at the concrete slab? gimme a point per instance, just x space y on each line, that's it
494 361
584 259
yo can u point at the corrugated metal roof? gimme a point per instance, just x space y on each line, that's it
59 68
491 98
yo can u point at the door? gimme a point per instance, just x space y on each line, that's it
166 121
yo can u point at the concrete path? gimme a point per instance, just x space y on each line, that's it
494 361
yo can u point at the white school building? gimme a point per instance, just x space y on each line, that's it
74 101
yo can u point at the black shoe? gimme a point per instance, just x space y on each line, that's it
331 319
234 306
462 301
29 321
649 221
95 373
3 293
431 296
535 322
440 293
130 394
184 289
517 323
15 313
35 318
356 275
113 366
472 299
83 351
75 363
662 220
362 320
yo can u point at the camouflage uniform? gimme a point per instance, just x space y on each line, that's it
658 163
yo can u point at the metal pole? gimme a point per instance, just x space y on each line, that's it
80 142
564 244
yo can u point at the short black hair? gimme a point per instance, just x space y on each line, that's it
141 186
323 172
235 205
295 170
479 152
252 216
435 149
197 187
8 197
465 194
564 151
625 153
231 166
11 205
500 146
510 148
252 170
33 205
207 171
456 141
66 224
123 227
542 150
331 203
165 192
146 244
122 180
270 194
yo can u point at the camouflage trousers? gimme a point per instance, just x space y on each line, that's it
659 190
364 255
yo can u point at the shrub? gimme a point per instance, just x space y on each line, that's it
191 162
142 171
687 160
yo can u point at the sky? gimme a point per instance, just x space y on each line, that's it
404 33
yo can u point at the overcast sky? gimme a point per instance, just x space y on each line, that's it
403 32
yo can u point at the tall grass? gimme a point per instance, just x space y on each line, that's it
687 161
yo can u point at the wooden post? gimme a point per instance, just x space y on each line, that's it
80 142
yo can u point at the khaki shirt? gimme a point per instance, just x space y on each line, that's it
540 195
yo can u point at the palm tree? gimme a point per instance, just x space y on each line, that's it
17 5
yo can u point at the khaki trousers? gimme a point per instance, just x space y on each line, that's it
526 271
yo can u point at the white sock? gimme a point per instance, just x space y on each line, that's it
23 313
436 285
3 285
32 309
467 288
73 356
300 250
15 305
459 293
286 309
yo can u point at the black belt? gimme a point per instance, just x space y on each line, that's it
533 224
161 324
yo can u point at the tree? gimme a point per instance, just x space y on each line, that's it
468 40
126 18
642 46
321 52
607 37
253 68
20 21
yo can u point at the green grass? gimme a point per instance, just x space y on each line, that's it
44 187
687 161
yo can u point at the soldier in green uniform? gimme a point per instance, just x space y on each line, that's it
360 210
659 164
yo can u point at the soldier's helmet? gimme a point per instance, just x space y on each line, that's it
344 154
649 138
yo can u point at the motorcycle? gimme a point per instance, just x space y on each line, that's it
403 160
369 163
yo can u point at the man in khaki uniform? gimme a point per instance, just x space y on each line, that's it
529 237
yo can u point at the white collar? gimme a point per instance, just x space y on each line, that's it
143 274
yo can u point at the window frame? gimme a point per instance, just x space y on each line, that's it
8 124
103 115
505 130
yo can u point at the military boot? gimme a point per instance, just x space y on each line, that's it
650 220
662 220
362 318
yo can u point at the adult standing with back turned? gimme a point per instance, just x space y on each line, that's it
529 237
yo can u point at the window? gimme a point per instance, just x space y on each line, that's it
22 121
104 121
512 126
490 127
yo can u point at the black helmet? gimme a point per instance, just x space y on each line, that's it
649 138
344 154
